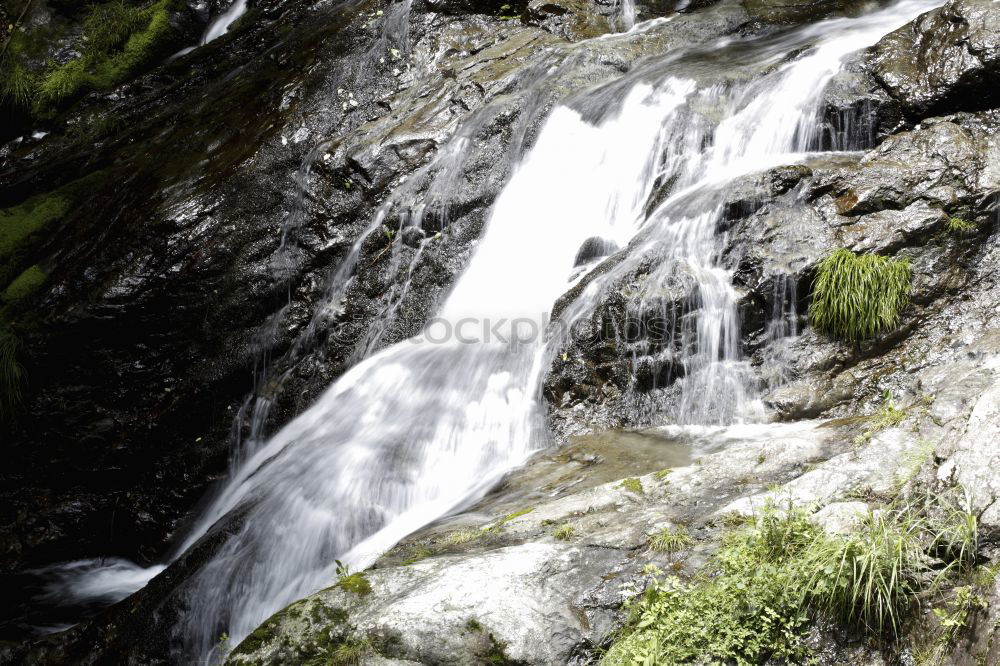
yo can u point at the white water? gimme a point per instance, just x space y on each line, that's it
419 429
220 24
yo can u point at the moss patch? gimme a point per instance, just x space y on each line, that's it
356 583
30 217
121 41
24 285
858 297
633 485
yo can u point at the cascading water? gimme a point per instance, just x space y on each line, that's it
428 424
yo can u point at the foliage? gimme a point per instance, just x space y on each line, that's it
671 540
887 416
868 579
768 580
19 222
120 41
960 227
17 83
350 652
857 297
632 485
563 532
24 285
744 611
352 582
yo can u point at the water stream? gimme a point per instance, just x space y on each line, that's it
424 426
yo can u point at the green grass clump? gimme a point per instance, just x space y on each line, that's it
960 227
24 285
563 532
632 485
11 373
120 41
671 540
17 83
857 297
350 652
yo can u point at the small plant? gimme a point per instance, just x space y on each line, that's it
633 485
887 416
858 297
459 537
671 540
663 474
421 552
352 582
350 652
563 532
959 227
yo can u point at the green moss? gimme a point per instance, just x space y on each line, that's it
632 485
121 41
30 217
857 297
663 474
356 583
473 625
24 285
420 553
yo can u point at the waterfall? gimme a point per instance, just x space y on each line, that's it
431 423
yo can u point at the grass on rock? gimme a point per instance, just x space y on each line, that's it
858 297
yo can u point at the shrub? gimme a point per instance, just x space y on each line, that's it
857 297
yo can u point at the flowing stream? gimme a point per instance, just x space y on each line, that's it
428 425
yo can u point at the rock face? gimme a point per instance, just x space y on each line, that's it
198 259
948 59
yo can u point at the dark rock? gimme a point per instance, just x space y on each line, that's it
946 60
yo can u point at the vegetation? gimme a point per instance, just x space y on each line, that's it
352 582
857 297
671 540
20 222
887 416
959 227
632 485
769 580
563 532
24 285
118 41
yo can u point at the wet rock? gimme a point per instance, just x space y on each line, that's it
946 60
594 248
572 19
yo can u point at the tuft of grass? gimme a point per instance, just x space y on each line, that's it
886 416
868 579
563 532
422 552
11 373
17 83
663 474
356 583
858 297
459 537
351 652
959 227
633 485
108 27
671 540
24 285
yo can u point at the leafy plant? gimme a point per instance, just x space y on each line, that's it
352 582
857 297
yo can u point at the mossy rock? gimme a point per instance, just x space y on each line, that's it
26 284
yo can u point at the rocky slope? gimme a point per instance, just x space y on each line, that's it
193 260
